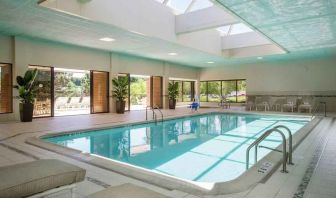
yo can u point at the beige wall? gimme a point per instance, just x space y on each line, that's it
24 51
314 76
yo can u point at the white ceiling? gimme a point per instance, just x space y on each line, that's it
27 18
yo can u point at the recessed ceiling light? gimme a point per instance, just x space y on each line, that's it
107 39
172 53
210 62
260 57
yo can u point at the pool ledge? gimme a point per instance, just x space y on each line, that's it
245 181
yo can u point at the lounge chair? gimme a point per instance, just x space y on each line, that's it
127 191
38 178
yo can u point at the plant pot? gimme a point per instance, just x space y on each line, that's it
26 112
120 107
172 103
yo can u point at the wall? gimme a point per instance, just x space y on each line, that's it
296 77
24 51
314 76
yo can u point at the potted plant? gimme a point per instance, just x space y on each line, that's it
120 92
26 88
172 94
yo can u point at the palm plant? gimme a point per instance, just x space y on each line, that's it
120 93
120 88
27 90
26 87
172 94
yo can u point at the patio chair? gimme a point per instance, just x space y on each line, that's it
306 104
250 105
39 178
85 103
61 102
74 102
263 104
290 105
277 103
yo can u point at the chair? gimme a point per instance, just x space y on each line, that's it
194 105
291 104
224 103
263 104
39 178
306 104
249 105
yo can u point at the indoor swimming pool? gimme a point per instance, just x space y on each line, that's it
202 148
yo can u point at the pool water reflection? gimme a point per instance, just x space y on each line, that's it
208 148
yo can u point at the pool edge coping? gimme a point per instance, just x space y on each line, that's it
236 185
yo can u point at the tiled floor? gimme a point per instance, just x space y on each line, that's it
323 180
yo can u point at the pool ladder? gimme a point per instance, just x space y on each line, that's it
256 143
155 107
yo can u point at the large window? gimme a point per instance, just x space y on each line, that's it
186 90
233 90
5 88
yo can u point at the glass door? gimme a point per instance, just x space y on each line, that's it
43 104
99 92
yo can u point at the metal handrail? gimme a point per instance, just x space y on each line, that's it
156 107
154 114
260 139
290 143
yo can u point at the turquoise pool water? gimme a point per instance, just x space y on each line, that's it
204 148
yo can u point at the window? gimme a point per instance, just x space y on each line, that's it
241 91
229 90
6 88
233 29
186 90
187 96
214 91
233 90
203 92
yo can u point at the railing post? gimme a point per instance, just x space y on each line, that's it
290 143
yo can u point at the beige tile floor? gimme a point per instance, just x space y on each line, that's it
13 135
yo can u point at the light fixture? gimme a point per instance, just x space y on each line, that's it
107 39
172 54
210 62
260 57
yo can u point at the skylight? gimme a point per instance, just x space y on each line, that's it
179 5
234 29
200 4
184 6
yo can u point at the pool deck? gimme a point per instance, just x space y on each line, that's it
314 158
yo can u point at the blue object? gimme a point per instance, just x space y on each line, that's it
194 106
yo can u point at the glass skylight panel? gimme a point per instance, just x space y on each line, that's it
179 5
240 28
224 30
200 4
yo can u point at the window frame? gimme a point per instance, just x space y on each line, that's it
192 88
221 88
11 85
